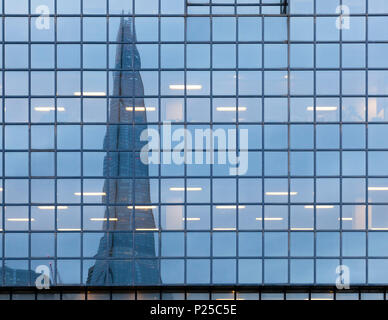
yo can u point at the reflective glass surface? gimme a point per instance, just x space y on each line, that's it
173 142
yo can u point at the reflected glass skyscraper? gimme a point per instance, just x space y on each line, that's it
122 140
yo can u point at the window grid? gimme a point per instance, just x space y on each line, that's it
340 177
195 293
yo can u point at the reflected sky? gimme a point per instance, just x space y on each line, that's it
77 96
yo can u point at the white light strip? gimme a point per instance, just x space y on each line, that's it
302 229
328 108
270 219
231 109
319 207
68 229
188 189
147 229
191 219
90 93
345 219
378 188
91 194
224 229
378 229
281 193
103 219
229 207
48 109
20 219
53 208
143 207
140 109
182 87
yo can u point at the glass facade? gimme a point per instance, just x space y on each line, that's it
65 293
103 179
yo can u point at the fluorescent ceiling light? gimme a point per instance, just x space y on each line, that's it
182 87
302 229
89 93
140 108
319 207
68 229
91 194
229 207
224 229
143 207
192 219
270 219
327 108
231 109
378 188
147 229
379 229
183 189
345 219
103 219
48 109
53 208
20 219
281 193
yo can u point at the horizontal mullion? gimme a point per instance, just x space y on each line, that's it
188 42
188 230
259 203
226 176
215 150
188 69
195 96
196 124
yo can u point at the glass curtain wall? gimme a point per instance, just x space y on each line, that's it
99 97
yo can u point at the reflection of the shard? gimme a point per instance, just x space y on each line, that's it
123 112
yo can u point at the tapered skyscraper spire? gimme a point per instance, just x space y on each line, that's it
127 119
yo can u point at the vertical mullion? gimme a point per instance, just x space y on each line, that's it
54 276
159 227
29 138
82 132
340 142
3 141
237 180
263 150
289 147
106 232
211 142
133 151
187 152
367 142
315 140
